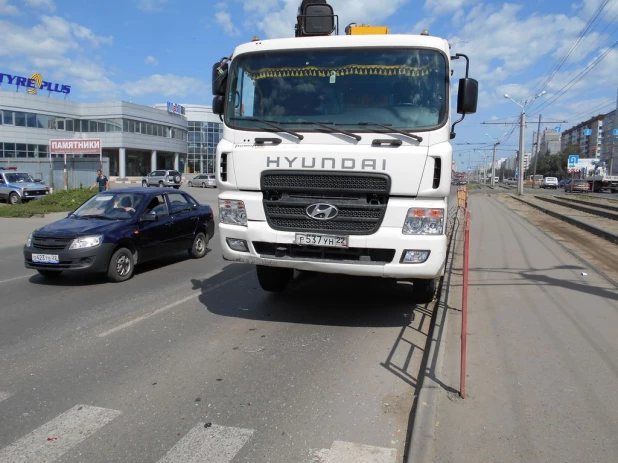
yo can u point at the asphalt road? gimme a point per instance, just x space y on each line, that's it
190 359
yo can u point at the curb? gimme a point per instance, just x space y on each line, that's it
421 446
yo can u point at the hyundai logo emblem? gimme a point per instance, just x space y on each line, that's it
322 211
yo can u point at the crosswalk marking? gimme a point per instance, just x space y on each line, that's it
56 437
348 452
4 395
212 444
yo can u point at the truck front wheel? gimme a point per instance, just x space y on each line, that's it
274 279
424 290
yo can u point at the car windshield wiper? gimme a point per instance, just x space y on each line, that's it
391 129
329 128
94 216
269 123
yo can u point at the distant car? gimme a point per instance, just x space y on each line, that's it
562 182
550 182
163 178
204 181
576 185
510 181
17 187
117 229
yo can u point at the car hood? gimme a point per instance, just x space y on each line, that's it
79 227
29 185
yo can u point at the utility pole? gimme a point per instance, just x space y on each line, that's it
538 150
520 176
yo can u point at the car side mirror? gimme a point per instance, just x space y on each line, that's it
150 217
218 104
467 96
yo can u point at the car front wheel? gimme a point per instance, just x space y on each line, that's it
200 243
203 184
144 183
14 198
424 290
120 266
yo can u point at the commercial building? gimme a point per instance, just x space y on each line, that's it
136 138
204 132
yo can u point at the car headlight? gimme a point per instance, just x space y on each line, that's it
29 241
421 221
232 212
86 242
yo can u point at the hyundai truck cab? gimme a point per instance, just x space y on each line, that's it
336 153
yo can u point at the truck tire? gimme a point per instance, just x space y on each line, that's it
424 290
274 279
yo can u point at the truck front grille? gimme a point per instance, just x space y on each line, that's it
293 251
360 200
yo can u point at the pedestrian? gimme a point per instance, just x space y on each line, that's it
101 180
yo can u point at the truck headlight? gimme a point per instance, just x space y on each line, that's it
29 241
420 221
86 242
232 212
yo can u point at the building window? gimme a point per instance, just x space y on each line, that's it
8 118
85 123
42 151
131 126
30 120
20 119
69 125
59 124
9 150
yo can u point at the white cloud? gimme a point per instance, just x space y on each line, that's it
39 4
151 5
440 7
224 19
151 60
84 33
166 85
6 9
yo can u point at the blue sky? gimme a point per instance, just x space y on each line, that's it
152 51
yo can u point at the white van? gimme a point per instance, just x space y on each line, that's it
550 182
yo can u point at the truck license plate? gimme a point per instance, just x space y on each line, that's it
45 258
307 239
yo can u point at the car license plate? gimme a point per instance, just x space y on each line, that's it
307 239
45 258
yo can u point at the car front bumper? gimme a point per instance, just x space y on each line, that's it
88 260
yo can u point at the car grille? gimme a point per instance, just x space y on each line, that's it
361 200
34 192
293 251
50 243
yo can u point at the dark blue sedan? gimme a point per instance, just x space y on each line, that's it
117 229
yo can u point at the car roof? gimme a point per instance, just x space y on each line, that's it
139 191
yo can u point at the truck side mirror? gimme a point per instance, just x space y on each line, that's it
467 96
219 77
218 104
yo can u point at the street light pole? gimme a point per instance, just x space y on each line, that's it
522 126
493 164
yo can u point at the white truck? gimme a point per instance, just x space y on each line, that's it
336 153
599 179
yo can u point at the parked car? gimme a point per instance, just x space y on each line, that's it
576 185
563 182
117 229
204 181
550 182
163 178
510 181
17 187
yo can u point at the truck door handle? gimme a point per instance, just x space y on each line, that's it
272 141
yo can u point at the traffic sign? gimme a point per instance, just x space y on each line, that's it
573 159
557 129
616 132
587 132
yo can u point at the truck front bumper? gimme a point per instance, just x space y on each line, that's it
379 254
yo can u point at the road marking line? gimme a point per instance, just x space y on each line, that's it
213 444
170 306
16 278
348 452
4 395
56 437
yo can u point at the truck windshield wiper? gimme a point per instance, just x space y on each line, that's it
391 129
271 124
330 129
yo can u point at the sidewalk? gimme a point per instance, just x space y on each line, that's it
542 352
15 231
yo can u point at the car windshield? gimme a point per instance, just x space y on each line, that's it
349 88
113 206
18 177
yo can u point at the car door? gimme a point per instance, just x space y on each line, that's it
152 238
4 189
184 218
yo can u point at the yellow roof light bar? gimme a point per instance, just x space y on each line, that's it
357 29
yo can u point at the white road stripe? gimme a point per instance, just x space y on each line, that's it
56 437
170 306
215 444
348 452
16 278
4 395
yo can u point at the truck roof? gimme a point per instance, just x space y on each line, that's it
345 41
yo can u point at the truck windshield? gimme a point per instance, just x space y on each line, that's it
402 88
